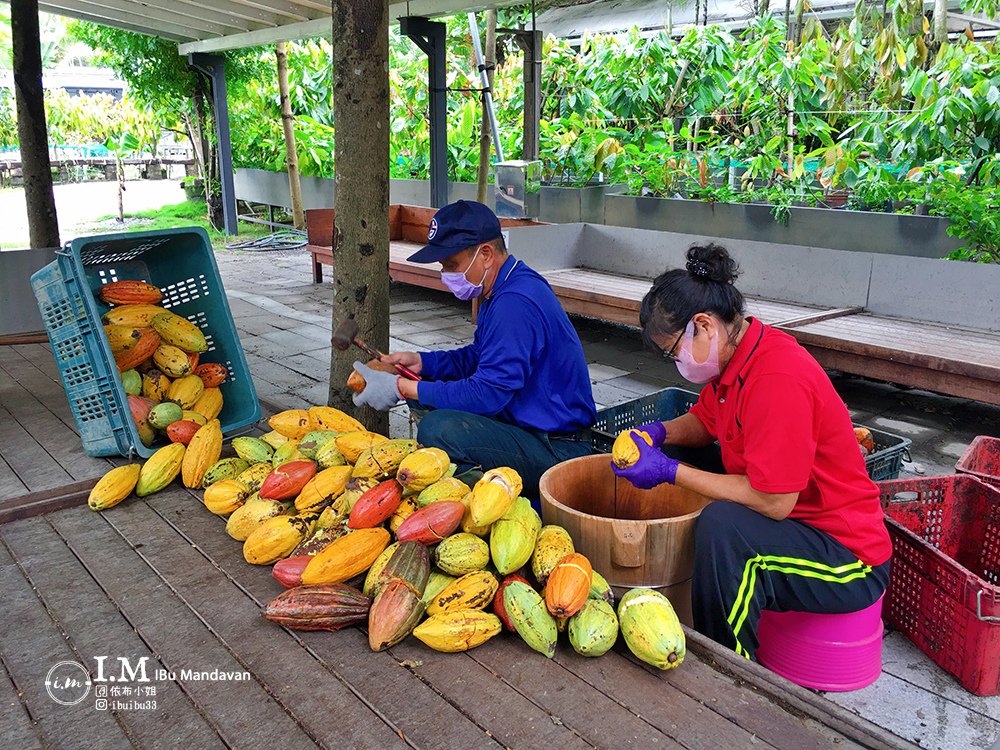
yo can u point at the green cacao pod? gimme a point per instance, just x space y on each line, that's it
253 450
600 589
594 629
512 537
437 582
462 553
532 621
310 444
227 468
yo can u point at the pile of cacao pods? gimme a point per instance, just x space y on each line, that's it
362 529
170 393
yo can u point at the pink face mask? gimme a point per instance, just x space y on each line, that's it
697 372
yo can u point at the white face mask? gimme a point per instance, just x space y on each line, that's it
460 286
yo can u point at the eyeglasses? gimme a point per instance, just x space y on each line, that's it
668 354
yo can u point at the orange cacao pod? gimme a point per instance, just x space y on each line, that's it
212 374
128 359
129 292
568 585
182 431
346 557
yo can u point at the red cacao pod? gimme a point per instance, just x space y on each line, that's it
393 615
130 292
323 606
287 481
212 374
288 572
375 505
182 431
433 523
498 606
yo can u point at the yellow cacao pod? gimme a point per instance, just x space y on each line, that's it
179 332
186 391
287 452
114 487
448 488
172 361
625 452
132 316
160 469
328 418
462 553
494 494
458 630
328 455
155 385
203 451
437 583
292 423
254 476
323 489
552 545
468 526
193 416
422 468
471 591
210 403
651 628
250 515
352 444
273 438
222 498
384 459
406 508
122 337
275 538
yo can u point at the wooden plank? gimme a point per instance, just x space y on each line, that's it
692 723
34 337
245 713
271 654
35 366
15 508
592 715
977 389
319 226
94 625
415 708
18 728
10 484
802 320
58 440
40 355
33 466
31 644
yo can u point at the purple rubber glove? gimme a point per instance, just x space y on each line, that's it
656 431
381 388
652 468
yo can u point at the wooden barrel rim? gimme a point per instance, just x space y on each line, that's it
574 511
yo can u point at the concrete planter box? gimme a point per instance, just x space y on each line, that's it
17 300
895 234
571 205
271 188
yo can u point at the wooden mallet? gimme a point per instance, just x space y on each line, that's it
347 333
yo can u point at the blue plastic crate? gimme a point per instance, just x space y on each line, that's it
670 403
179 261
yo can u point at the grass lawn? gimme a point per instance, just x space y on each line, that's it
189 213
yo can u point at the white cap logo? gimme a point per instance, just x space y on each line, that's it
432 229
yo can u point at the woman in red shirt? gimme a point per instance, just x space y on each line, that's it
797 525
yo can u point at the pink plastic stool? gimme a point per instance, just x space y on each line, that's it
824 652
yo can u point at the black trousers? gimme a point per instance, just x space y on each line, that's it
746 562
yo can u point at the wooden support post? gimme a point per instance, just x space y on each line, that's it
530 43
361 198
32 133
288 124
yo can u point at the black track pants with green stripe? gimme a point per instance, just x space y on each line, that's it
746 562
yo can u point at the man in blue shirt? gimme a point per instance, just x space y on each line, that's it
519 395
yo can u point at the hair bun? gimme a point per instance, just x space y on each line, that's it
712 263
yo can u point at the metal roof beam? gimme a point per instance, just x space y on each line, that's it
278 7
321 27
252 13
154 19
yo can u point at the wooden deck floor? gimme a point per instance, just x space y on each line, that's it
160 579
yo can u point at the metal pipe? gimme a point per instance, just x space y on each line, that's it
485 81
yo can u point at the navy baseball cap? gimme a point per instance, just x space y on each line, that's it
455 227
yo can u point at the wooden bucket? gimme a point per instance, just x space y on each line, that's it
632 537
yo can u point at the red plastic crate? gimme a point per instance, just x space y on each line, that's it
982 460
944 592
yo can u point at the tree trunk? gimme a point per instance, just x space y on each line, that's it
788 19
32 133
361 195
120 172
288 124
940 23
489 57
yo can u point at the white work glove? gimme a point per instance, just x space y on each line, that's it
381 388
